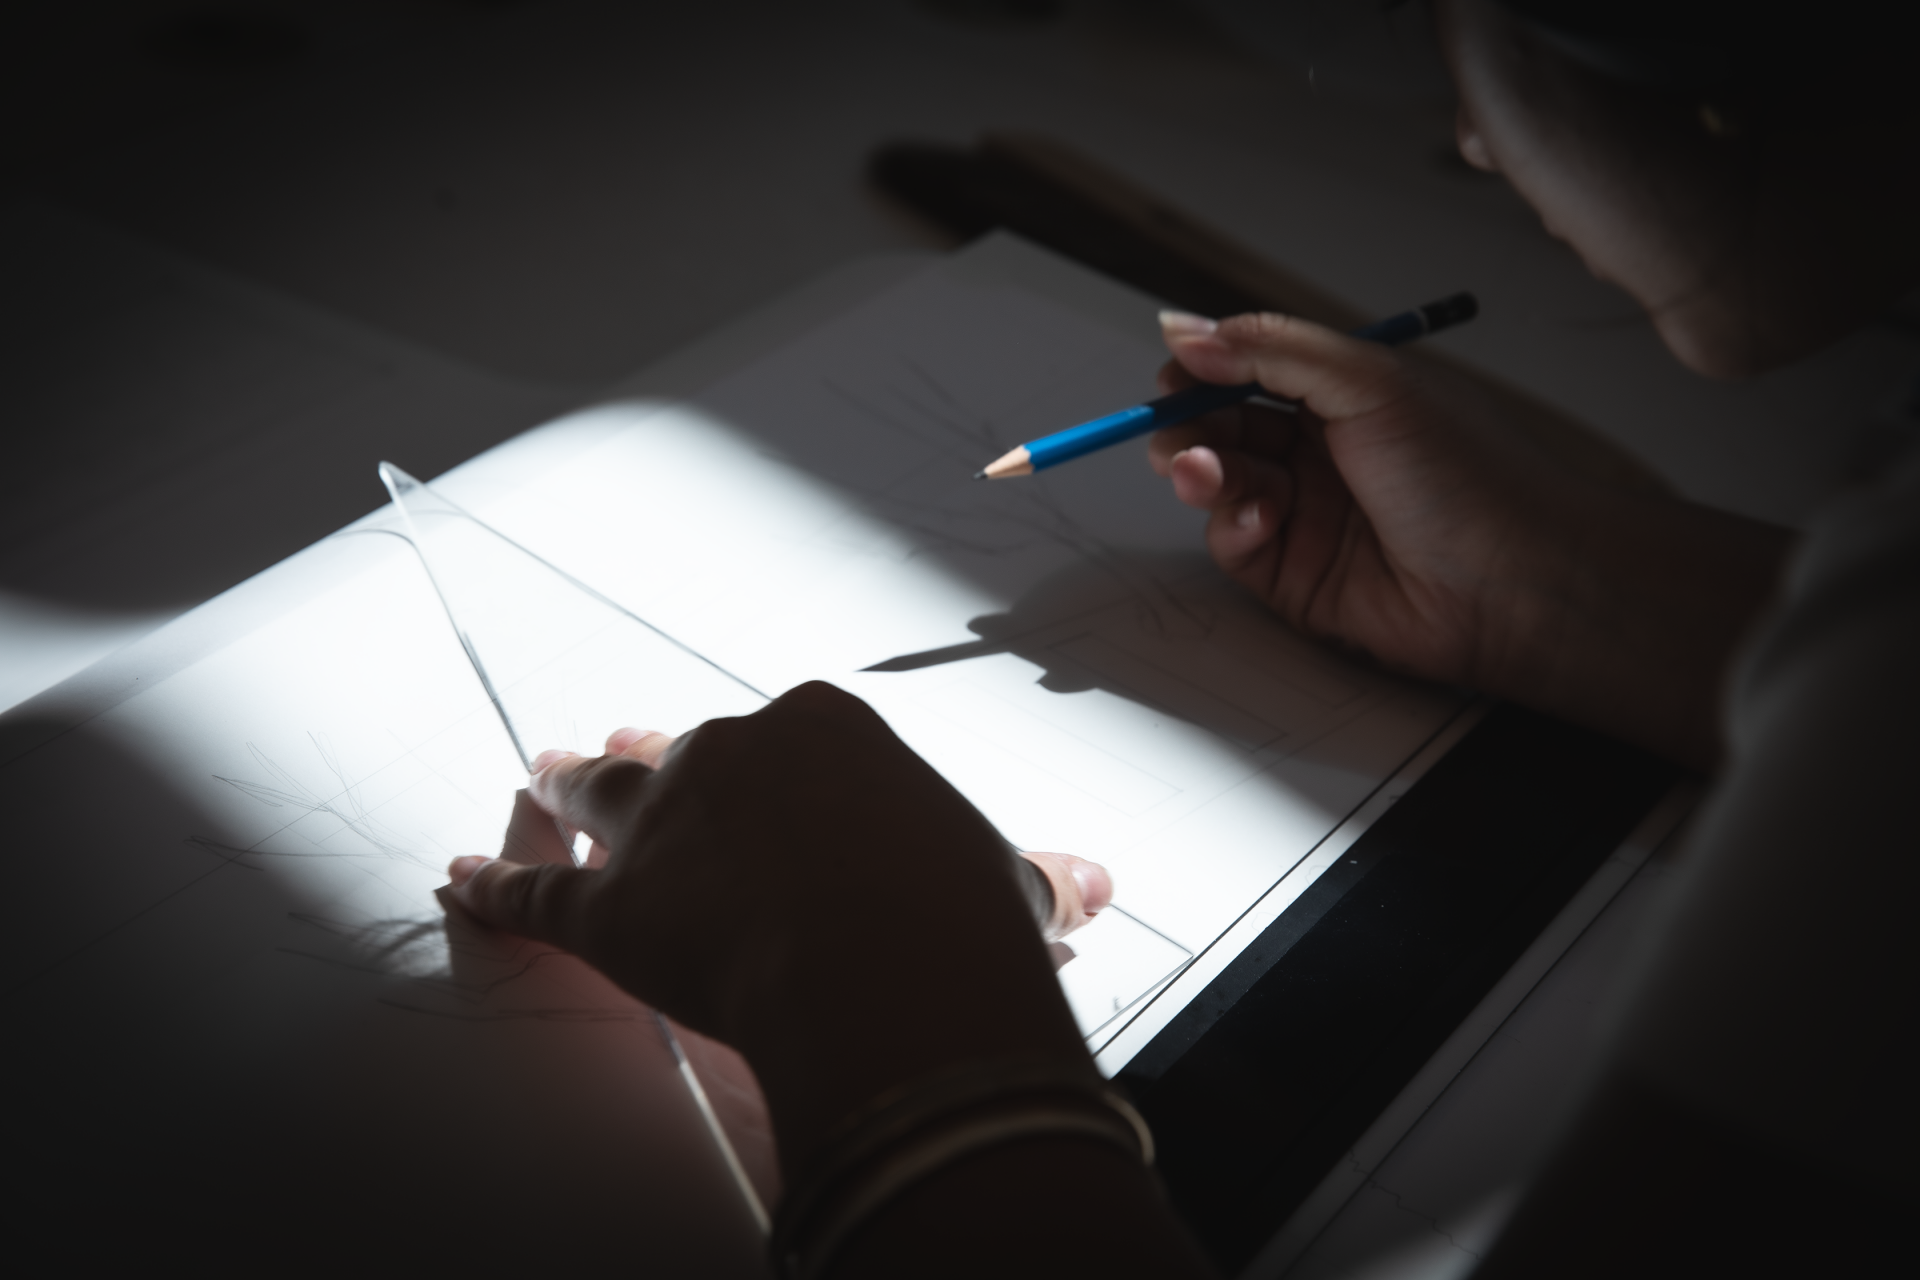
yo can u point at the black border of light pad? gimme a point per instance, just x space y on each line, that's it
1263 1082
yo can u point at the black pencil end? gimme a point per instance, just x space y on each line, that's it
979 475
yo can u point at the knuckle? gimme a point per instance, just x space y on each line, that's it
721 745
815 696
1261 328
607 787
815 707
717 737
612 778
547 901
513 893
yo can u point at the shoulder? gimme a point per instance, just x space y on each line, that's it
1788 939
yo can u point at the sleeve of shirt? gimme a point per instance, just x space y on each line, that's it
1758 1110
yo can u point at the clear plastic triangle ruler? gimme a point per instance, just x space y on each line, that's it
564 666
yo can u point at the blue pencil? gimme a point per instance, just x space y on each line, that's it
1062 446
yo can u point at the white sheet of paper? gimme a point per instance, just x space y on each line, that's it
1059 648
815 515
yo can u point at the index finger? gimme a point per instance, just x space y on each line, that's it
1337 376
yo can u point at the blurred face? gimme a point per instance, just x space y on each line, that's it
1747 251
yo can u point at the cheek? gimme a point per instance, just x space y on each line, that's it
1557 144
1581 202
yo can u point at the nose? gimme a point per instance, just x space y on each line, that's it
1473 148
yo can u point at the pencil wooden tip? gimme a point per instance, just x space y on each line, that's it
1017 463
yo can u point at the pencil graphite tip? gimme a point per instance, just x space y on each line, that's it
979 475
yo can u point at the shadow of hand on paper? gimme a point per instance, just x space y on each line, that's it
1141 585
1168 632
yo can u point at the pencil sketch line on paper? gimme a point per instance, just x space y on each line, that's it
234 855
396 936
231 854
413 948
398 481
1121 1011
425 930
344 806
1029 506
981 430
855 400
417 951
1032 507
406 932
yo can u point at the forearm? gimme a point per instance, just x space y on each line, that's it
825 1051
859 1021
1636 634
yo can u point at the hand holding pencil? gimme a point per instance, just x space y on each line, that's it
1394 513
1192 402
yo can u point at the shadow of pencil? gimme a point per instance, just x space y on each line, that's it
1146 585
1136 627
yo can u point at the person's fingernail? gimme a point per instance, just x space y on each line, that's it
1248 517
1095 885
461 870
1176 457
546 758
1183 323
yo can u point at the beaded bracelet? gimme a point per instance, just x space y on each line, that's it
911 1132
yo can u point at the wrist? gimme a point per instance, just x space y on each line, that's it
914 1131
840 1019
1632 620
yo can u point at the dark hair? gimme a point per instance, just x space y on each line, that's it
1772 122
1744 46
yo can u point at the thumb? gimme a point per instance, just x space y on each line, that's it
544 901
1080 890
